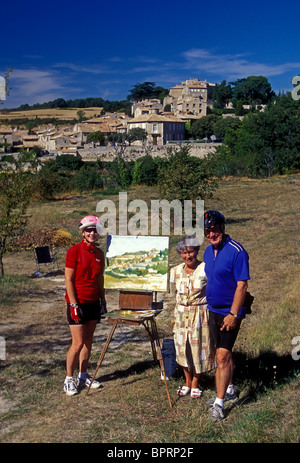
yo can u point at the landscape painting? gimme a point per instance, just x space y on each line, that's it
136 263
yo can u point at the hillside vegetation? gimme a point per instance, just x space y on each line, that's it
57 113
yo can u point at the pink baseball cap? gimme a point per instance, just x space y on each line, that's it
89 221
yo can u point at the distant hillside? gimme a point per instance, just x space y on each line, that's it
84 104
58 113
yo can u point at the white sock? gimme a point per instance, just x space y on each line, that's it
219 402
69 377
230 389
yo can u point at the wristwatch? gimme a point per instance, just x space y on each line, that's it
233 314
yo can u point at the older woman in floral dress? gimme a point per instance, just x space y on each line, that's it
194 350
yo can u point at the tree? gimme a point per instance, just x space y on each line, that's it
204 127
264 143
239 108
68 162
252 90
145 91
145 171
136 134
122 141
186 177
16 188
222 94
223 124
81 115
96 137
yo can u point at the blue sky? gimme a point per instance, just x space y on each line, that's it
71 49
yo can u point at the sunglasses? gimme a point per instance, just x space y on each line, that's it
90 230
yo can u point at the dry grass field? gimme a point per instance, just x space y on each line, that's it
58 113
132 406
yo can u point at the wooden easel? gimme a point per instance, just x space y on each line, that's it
131 300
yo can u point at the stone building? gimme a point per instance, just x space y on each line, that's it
160 128
190 99
151 106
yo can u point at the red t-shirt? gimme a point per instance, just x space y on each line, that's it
88 263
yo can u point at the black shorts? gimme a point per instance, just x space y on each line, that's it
224 338
90 310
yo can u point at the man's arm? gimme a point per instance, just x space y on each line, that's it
230 321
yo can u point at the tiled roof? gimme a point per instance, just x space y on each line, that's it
154 118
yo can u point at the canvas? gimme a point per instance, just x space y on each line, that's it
136 263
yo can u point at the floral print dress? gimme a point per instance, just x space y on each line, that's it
191 332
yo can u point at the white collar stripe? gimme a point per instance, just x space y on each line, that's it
235 245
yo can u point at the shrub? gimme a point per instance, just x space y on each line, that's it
145 171
68 162
87 179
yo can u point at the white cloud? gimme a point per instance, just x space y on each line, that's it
35 81
231 66
35 86
86 69
113 78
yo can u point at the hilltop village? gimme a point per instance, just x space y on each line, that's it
187 101
138 261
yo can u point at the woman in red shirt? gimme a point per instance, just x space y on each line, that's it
85 298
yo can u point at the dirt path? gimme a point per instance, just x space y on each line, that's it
37 339
38 324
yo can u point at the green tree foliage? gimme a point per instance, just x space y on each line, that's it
145 171
183 176
222 94
81 115
68 162
239 108
121 170
252 90
87 179
204 127
264 143
146 90
16 187
136 134
49 183
213 125
223 124
108 106
96 137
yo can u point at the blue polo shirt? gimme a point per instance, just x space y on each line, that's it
230 265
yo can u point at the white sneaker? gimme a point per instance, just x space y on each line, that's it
85 382
70 387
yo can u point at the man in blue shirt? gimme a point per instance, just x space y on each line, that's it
227 271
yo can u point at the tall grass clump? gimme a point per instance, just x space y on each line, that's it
13 288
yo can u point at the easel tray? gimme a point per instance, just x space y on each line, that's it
133 314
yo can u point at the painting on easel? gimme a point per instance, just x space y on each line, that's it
136 262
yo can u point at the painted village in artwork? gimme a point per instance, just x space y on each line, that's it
145 268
